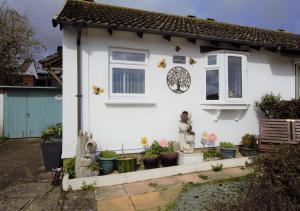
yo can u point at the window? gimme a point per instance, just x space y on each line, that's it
225 78
212 85
128 73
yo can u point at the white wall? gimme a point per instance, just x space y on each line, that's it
113 125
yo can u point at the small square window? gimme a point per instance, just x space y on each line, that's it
212 60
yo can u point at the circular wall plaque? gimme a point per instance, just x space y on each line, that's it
179 80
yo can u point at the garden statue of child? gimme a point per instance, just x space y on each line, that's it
186 135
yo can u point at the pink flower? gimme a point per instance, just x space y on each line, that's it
212 137
163 143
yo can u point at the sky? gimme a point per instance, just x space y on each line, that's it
272 14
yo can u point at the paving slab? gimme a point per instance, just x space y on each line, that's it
109 192
116 204
30 189
14 204
235 172
78 200
138 188
149 200
171 193
186 178
165 181
212 175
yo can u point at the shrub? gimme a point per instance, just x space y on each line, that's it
226 145
150 154
162 146
108 154
274 183
94 166
210 153
53 132
273 106
69 167
249 140
217 167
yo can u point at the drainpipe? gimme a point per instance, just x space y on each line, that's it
79 94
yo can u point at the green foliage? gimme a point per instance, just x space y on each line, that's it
69 167
153 184
227 145
86 186
249 140
108 154
202 176
217 167
169 148
3 138
53 132
210 153
273 106
95 166
150 154
273 184
157 149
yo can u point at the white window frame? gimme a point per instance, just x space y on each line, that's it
128 65
222 66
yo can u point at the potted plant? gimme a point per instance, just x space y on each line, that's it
168 156
150 159
126 164
95 168
227 150
107 161
249 147
52 147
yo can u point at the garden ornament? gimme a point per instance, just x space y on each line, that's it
186 135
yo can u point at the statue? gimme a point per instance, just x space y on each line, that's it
86 151
186 135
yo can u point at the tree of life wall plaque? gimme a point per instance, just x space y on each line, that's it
179 80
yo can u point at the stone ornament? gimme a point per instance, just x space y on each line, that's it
186 135
179 80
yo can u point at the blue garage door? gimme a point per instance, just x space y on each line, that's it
27 112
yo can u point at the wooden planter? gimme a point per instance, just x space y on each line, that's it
278 131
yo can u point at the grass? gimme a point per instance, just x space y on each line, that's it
202 176
153 184
217 167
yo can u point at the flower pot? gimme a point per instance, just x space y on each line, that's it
168 158
126 164
150 163
245 151
51 151
227 153
107 165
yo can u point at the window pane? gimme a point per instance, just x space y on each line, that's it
212 85
212 60
128 81
234 77
136 57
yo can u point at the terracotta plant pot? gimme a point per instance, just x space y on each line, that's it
126 164
168 158
150 163
226 153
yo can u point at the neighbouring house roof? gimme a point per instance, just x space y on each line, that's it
28 68
90 14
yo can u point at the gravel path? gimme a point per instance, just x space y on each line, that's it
202 197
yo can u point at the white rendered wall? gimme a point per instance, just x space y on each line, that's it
113 125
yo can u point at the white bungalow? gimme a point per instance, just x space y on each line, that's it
149 67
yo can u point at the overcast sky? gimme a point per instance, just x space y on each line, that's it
273 14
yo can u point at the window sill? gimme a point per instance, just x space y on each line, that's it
130 102
218 108
213 106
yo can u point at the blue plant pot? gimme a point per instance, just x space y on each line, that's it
107 165
227 153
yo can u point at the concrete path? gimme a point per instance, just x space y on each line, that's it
154 194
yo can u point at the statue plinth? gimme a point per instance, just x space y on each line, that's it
194 158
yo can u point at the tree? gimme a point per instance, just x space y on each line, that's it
179 79
16 44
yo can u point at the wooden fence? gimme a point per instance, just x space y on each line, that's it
279 131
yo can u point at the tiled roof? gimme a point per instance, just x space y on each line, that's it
90 14
53 60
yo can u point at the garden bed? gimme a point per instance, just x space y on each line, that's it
136 176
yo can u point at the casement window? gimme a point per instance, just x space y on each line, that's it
225 78
128 73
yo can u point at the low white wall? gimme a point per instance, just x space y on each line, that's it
113 125
136 176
